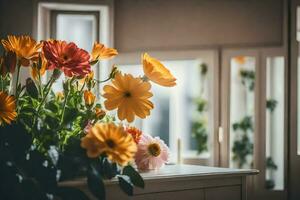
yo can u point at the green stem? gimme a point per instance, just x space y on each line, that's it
64 107
51 81
17 83
2 82
103 80
82 87
40 84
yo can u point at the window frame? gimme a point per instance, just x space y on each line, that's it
259 152
102 8
212 59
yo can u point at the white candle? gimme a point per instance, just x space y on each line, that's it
179 159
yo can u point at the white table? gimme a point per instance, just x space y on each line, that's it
183 182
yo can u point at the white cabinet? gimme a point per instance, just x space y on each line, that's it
180 182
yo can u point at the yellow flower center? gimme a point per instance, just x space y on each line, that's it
110 143
154 149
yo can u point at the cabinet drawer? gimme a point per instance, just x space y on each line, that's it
223 193
176 195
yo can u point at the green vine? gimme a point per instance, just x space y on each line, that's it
248 78
243 146
270 167
199 126
271 104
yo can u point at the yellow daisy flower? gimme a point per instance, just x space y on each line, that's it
129 95
157 72
7 108
111 140
25 48
101 52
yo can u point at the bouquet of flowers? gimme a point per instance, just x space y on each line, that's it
47 137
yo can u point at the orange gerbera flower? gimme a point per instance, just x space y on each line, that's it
111 140
157 72
24 47
7 108
135 133
101 52
130 95
67 57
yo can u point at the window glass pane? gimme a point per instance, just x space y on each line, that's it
275 123
182 112
242 85
77 28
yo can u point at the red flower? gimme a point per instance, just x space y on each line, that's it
67 57
135 133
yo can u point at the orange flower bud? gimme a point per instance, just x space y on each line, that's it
89 98
99 113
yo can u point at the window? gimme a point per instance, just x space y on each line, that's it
275 123
242 101
254 117
79 23
183 112
78 27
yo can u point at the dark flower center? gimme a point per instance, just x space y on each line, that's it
127 94
110 143
65 57
154 149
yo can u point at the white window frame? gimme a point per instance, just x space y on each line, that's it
256 183
210 57
105 36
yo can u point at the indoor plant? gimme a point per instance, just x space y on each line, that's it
48 137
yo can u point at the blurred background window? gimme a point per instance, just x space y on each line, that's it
183 112
78 27
275 123
242 102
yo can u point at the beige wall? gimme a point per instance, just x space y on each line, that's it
190 24
173 24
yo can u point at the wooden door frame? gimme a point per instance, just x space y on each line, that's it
294 159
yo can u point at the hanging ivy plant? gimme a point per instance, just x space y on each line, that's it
199 126
248 78
271 104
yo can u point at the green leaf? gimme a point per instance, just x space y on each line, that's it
125 184
70 115
109 169
53 106
134 176
31 88
95 183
